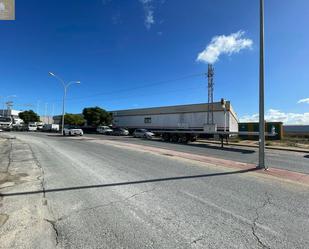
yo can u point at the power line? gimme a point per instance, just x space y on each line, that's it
133 88
112 100
151 94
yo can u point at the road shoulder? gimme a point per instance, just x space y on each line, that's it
279 174
24 220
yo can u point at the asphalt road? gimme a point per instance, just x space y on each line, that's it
211 210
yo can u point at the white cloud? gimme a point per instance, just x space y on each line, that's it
303 101
273 115
149 13
223 44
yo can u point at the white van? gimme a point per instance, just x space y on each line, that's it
32 127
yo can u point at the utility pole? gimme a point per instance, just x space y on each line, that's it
52 116
38 107
45 114
261 164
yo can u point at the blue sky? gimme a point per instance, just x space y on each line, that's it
142 53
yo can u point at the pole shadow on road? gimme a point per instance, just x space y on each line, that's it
127 183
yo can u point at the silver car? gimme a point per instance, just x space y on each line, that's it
106 130
72 131
120 132
143 133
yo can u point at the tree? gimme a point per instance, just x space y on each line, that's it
73 119
97 116
29 116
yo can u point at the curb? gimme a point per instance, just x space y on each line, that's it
281 174
255 146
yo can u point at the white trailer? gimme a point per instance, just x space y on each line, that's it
182 122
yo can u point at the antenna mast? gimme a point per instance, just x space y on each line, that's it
210 106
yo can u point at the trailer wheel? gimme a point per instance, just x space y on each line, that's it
174 138
193 139
184 139
166 137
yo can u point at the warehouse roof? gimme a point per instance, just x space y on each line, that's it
203 107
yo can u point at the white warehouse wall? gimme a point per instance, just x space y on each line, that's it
176 120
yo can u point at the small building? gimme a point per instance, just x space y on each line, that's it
192 117
254 127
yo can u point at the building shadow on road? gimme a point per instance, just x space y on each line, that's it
175 178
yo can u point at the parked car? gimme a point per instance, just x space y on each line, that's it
143 133
51 127
72 131
120 132
106 130
32 127
39 125
20 127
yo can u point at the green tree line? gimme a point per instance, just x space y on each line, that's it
92 116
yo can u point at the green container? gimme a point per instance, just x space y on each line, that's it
254 127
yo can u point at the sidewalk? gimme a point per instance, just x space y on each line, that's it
243 144
279 174
23 220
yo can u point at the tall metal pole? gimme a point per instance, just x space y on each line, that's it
38 107
53 112
62 121
261 98
3 107
45 114
65 87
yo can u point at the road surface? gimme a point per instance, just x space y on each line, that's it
101 196
294 161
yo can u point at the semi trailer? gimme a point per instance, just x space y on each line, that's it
181 123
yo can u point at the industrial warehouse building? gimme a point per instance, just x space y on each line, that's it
192 117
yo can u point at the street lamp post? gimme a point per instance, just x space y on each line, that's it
261 93
65 87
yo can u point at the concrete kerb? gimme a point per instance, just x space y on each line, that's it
256 146
282 174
